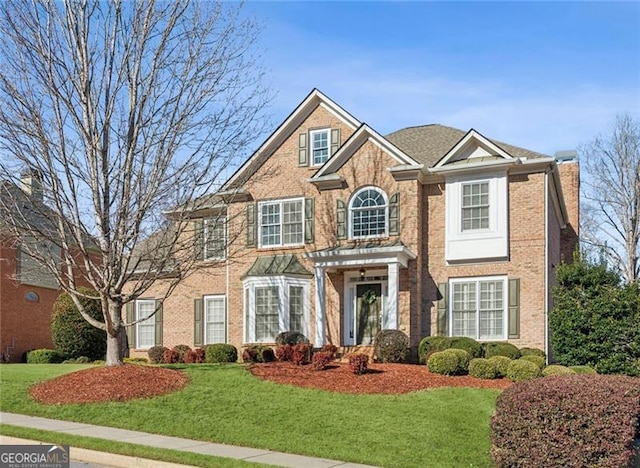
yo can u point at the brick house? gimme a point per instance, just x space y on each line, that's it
336 231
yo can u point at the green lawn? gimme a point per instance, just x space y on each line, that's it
443 427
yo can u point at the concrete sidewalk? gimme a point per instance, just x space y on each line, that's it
152 440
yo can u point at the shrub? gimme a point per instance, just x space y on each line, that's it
430 345
470 345
300 355
44 356
482 368
284 352
391 345
537 360
555 369
358 363
570 421
72 335
449 362
181 349
583 369
220 353
331 349
78 360
532 352
499 348
252 353
194 356
321 360
520 370
501 364
155 354
291 337
267 355
170 356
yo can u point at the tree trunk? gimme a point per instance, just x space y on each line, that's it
117 343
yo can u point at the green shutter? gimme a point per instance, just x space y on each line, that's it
394 215
251 225
309 228
514 308
199 239
335 140
158 322
131 329
341 220
303 158
198 323
443 309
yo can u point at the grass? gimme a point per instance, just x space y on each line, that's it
447 427
122 448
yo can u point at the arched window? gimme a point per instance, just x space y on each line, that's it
368 213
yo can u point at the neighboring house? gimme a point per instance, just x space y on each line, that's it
27 290
336 231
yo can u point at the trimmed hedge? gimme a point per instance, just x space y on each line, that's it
253 353
537 360
431 344
470 345
291 337
555 369
155 354
391 345
44 356
569 421
520 370
449 362
482 368
220 353
181 349
500 348
502 365
583 369
532 352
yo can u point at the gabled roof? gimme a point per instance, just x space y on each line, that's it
278 265
291 123
474 138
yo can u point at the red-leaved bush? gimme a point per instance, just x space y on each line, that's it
195 356
331 349
321 360
300 355
170 356
358 363
284 352
568 421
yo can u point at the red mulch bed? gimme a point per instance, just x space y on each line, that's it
117 383
381 378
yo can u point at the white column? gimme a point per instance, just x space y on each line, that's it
394 287
320 308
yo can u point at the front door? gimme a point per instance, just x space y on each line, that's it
368 312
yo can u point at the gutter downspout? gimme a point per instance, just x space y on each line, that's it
546 264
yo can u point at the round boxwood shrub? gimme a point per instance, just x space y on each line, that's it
220 352
449 362
555 369
532 352
468 344
482 368
583 369
291 338
72 335
537 360
501 364
431 344
391 345
44 356
499 348
520 370
155 354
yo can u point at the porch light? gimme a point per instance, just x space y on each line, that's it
362 272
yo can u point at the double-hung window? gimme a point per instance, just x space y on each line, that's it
479 308
215 330
145 330
281 223
319 146
215 238
475 206
369 209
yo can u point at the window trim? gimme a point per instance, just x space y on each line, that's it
462 207
312 158
205 322
152 323
283 283
213 221
350 211
505 304
280 202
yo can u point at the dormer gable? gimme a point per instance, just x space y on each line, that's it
474 149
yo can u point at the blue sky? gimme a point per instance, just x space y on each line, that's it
542 75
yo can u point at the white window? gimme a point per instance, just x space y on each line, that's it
319 146
478 308
215 238
475 206
274 305
368 213
145 330
215 330
281 223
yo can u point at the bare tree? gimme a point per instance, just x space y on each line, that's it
121 112
612 195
